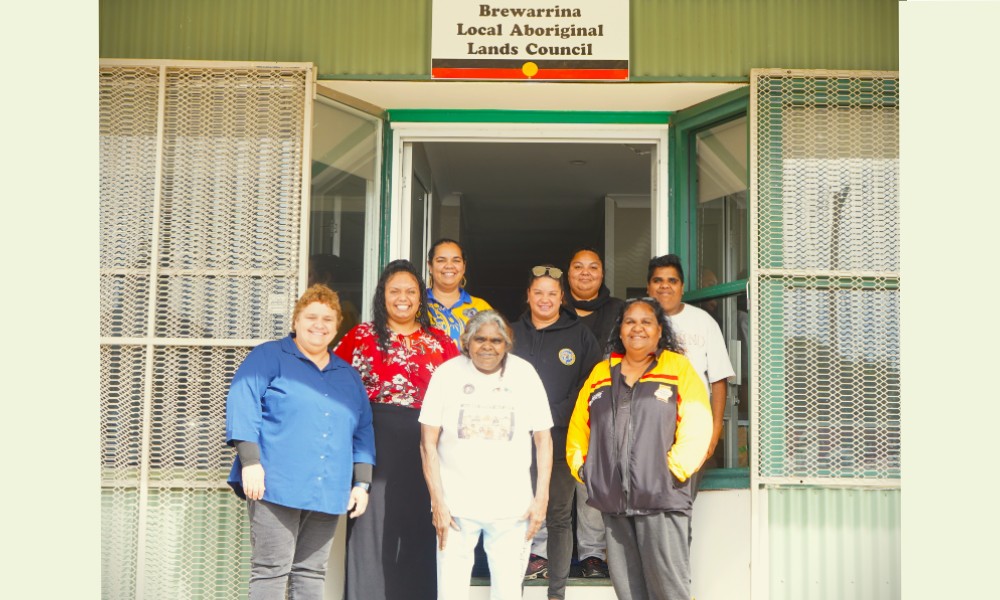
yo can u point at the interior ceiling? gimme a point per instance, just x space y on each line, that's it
560 175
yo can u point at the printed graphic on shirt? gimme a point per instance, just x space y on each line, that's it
567 356
690 339
469 313
490 423
595 397
665 393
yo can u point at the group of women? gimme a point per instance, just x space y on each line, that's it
309 423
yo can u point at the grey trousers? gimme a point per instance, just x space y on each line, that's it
649 556
288 547
589 527
558 516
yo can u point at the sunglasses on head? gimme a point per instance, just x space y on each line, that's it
540 271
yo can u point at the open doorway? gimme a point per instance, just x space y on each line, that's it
513 205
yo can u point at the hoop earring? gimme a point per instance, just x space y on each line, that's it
464 282
430 281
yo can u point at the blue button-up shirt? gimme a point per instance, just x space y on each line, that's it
311 425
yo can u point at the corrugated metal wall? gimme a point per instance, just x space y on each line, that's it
671 39
727 38
832 544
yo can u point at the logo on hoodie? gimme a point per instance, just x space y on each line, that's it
567 356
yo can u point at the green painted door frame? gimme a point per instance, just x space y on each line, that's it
535 117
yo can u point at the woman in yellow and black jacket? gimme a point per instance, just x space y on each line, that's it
641 427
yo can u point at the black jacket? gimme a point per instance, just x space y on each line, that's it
635 449
602 320
563 354
603 311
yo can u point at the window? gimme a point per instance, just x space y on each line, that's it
710 232
345 151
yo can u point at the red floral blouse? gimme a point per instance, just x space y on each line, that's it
399 376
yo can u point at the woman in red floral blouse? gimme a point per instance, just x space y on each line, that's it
391 549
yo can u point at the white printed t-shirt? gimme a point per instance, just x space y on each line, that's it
485 444
701 338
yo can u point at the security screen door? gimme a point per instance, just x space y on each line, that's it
826 454
204 185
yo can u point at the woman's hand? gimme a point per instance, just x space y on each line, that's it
357 504
441 516
535 515
253 482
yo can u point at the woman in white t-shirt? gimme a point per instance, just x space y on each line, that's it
481 412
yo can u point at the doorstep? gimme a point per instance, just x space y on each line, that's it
570 582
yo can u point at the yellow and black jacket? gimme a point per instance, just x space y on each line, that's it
647 468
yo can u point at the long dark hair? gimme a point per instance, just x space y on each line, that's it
380 316
668 339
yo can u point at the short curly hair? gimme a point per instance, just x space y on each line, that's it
322 294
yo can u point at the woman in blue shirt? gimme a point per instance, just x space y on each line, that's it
302 426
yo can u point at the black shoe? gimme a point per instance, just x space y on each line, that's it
594 567
538 568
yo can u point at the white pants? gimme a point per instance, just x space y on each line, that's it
506 552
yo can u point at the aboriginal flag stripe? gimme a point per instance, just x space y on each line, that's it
517 63
543 74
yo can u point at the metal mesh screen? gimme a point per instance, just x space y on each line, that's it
825 227
201 229
128 128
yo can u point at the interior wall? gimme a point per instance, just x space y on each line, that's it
632 249
503 244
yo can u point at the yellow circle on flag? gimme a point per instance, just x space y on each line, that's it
530 69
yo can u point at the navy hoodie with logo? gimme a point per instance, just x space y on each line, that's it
563 354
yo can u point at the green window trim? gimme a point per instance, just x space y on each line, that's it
736 478
684 125
717 291
386 199
407 115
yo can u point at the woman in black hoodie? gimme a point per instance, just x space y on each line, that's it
563 351
590 298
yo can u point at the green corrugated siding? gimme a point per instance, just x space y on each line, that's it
830 544
727 38
671 39
383 37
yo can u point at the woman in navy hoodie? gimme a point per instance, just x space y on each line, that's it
563 351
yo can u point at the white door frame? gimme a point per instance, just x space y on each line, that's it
404 134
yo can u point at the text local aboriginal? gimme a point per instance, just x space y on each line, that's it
563 32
